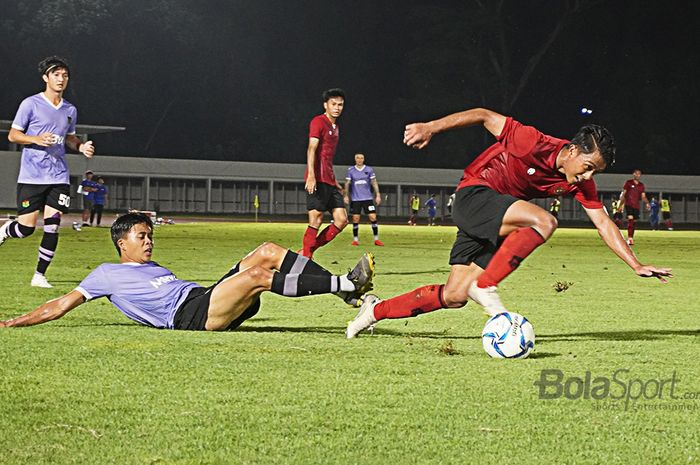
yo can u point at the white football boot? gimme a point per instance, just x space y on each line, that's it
39 280
487 297
3 231
365 317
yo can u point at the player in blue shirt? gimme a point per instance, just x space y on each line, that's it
45 126
98 200
359 183
87 189
431 203
152 295
654 214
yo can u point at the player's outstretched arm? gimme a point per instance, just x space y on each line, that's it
612 237
51 310
418 135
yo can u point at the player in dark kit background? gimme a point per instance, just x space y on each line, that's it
497 227
324 193
632 192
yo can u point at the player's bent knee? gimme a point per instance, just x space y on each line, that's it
51 225
259 275
546 225
340 220
269 249
25 231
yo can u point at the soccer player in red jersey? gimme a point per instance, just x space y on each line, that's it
632 192
324 193
497 226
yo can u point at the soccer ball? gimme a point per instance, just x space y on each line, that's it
508 335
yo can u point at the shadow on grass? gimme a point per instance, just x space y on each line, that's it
543 354
291 329
129 323
341 330
72 282
96 325
422 334
644 335
410 273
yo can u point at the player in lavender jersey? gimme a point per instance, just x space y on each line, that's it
359 183
45 126
152 295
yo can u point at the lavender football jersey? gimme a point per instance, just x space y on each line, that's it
146 293
360 183
36 115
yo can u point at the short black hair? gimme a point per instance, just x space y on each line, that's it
330 93
591 137
123 225
48 64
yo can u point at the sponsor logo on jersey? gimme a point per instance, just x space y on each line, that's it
162 280
531 171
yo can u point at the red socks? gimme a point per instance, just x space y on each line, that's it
515 248
326 236
630 228
422 300
313 239
308 241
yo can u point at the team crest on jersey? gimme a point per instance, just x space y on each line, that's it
25 203
559 190
531 171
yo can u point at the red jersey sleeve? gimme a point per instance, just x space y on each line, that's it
587 195
518 139
316 128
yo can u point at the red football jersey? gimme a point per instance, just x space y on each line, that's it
522 163
633 193
327 134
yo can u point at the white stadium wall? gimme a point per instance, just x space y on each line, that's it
207 186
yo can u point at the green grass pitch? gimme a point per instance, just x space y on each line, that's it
287 388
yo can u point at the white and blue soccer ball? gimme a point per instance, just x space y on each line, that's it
508 335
